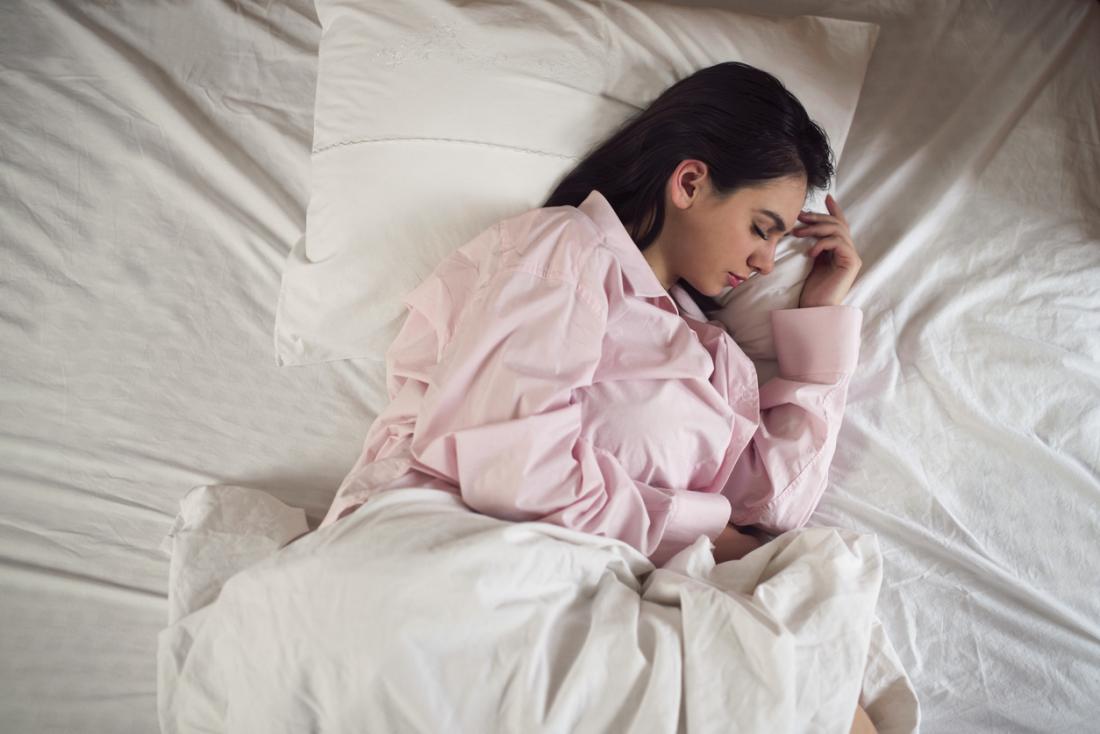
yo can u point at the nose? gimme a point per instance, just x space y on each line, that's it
763 260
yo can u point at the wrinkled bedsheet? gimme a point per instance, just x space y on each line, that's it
415 614
154 177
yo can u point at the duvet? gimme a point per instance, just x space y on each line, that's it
415 614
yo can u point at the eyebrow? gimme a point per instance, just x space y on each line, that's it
779 223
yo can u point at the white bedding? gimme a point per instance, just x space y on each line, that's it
153 168
480 108
415 614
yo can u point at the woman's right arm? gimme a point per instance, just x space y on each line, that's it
780 476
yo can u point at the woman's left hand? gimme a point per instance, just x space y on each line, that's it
836 262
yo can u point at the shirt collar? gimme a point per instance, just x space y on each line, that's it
638 274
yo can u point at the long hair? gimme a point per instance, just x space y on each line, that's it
739 120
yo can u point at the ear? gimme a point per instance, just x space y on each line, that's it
688 181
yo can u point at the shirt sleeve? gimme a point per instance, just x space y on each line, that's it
499 419
409 355
778 480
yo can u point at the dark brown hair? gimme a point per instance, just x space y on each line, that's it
739 120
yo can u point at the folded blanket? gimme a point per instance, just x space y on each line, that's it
415 614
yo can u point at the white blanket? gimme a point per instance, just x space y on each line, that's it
415 614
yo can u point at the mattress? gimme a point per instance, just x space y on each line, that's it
155 176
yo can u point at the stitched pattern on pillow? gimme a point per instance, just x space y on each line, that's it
444 40
356 141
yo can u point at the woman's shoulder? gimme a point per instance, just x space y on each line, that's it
551 229
546 236
558 243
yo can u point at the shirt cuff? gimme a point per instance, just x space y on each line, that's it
820 340
693 514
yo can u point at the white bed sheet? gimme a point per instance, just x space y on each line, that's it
341 631
154 176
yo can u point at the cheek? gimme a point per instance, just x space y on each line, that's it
738 249
716 253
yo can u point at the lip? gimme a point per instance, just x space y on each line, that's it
733 279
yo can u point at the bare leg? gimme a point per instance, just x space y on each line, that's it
732 544
861 724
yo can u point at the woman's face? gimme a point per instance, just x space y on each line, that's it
705 237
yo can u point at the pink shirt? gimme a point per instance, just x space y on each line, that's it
544 373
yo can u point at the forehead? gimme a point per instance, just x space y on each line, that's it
785 199
779 196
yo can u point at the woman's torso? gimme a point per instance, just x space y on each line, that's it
673 397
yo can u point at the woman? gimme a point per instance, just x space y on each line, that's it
547 370
546 373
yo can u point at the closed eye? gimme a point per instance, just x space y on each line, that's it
760 233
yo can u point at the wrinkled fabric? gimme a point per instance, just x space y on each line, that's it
544 373
415 615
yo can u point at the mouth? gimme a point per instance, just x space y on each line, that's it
733 279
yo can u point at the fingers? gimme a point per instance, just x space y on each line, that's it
817 217
826 243
809 220
836 214
820 230
835 209
832 232
844 254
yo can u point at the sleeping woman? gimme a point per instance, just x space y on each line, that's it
558 367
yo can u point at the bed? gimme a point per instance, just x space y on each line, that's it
155 180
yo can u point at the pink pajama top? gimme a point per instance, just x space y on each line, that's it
544 373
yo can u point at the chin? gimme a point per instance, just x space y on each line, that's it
710 292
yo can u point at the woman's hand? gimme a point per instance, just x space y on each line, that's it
732 545
836 262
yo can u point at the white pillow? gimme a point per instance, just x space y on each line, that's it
435 119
